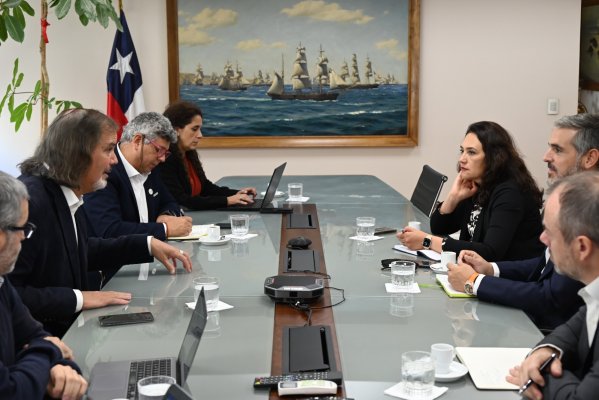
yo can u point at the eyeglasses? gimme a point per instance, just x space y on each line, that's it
27 229
160 150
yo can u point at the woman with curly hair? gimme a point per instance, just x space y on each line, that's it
494 202
183 174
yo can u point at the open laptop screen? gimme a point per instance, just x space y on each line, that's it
191 341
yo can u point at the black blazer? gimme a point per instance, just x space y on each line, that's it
113 210
508 227
175 178
52 262
548 298
580 378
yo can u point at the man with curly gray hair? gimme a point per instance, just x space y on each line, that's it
135 200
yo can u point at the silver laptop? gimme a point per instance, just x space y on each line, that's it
269 195
118 379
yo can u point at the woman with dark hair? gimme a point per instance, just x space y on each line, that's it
494 202
183 174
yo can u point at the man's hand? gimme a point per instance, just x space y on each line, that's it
66 351
458 275
529 369
479 264
168 255
411 238
103 299
176 226
65 383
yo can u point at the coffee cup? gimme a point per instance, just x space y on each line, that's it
448 257
213 232
415 225
443 355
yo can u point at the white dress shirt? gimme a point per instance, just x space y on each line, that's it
590 295
74 203
137 180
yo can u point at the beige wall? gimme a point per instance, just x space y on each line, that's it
480 59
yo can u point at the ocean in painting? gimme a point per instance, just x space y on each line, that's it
361 112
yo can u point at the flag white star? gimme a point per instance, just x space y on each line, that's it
122 64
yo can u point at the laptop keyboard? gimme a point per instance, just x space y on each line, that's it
141 369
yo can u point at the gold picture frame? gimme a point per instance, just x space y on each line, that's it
408 137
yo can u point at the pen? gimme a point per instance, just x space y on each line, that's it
541 369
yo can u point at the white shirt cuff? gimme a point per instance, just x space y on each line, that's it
150 245
165 229
477 282
79 297
560 351
495 269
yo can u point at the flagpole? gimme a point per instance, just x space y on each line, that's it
45 80
120 5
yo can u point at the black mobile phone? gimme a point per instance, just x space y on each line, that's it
384 229
224 225
125 319
176 392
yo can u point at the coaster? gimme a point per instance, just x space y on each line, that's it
220 307
366 238
301 200
391 288
399 392
246 236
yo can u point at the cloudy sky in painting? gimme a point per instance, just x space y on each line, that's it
254 33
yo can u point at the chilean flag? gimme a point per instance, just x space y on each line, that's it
125 95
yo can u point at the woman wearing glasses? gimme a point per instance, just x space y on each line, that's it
494 202
183 173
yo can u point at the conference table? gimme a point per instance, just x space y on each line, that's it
373 327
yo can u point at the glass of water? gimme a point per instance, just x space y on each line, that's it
240 224
153 387
365 227
295 191
402 273
417 374
211 286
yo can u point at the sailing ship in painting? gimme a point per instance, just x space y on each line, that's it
345 80
300 79
233 80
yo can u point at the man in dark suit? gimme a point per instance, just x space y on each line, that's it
135 200
74 158
532 285
572 236
32 363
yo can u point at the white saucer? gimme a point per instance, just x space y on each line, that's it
278 193
456 371
438 268
209 242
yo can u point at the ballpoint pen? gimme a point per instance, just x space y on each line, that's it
542 368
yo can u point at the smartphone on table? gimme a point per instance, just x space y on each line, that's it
126 319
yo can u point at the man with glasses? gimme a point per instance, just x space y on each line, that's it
135 200
51 274
32 363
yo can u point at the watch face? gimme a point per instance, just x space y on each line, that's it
468 288
426 243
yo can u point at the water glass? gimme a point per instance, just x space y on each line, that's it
417 374
240 224
295 191
402 273
211 288
402 305
365 227
153 387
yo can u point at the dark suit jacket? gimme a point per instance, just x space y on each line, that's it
174 176
52 262
508 227
549 299
580 378
113 210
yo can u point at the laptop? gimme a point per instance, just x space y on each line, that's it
264 203
118 379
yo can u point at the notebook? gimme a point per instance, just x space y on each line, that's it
269 195
115 379
488 366
430 254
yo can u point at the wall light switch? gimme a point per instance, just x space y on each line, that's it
552 106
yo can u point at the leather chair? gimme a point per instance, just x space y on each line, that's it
427 190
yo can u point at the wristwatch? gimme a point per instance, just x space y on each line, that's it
427 242
469 285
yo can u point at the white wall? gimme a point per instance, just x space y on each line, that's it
480 59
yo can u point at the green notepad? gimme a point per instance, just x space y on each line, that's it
451 292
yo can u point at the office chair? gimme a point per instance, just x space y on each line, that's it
427 190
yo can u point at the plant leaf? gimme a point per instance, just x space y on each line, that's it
62 8
8 90
19 17
18 112
83 19
19 80
3 32
38 88
103 15
87 8
15 31
11 3
27 8
28 112
76 104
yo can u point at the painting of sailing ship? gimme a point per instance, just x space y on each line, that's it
293 70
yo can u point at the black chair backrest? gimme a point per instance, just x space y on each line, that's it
427 190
